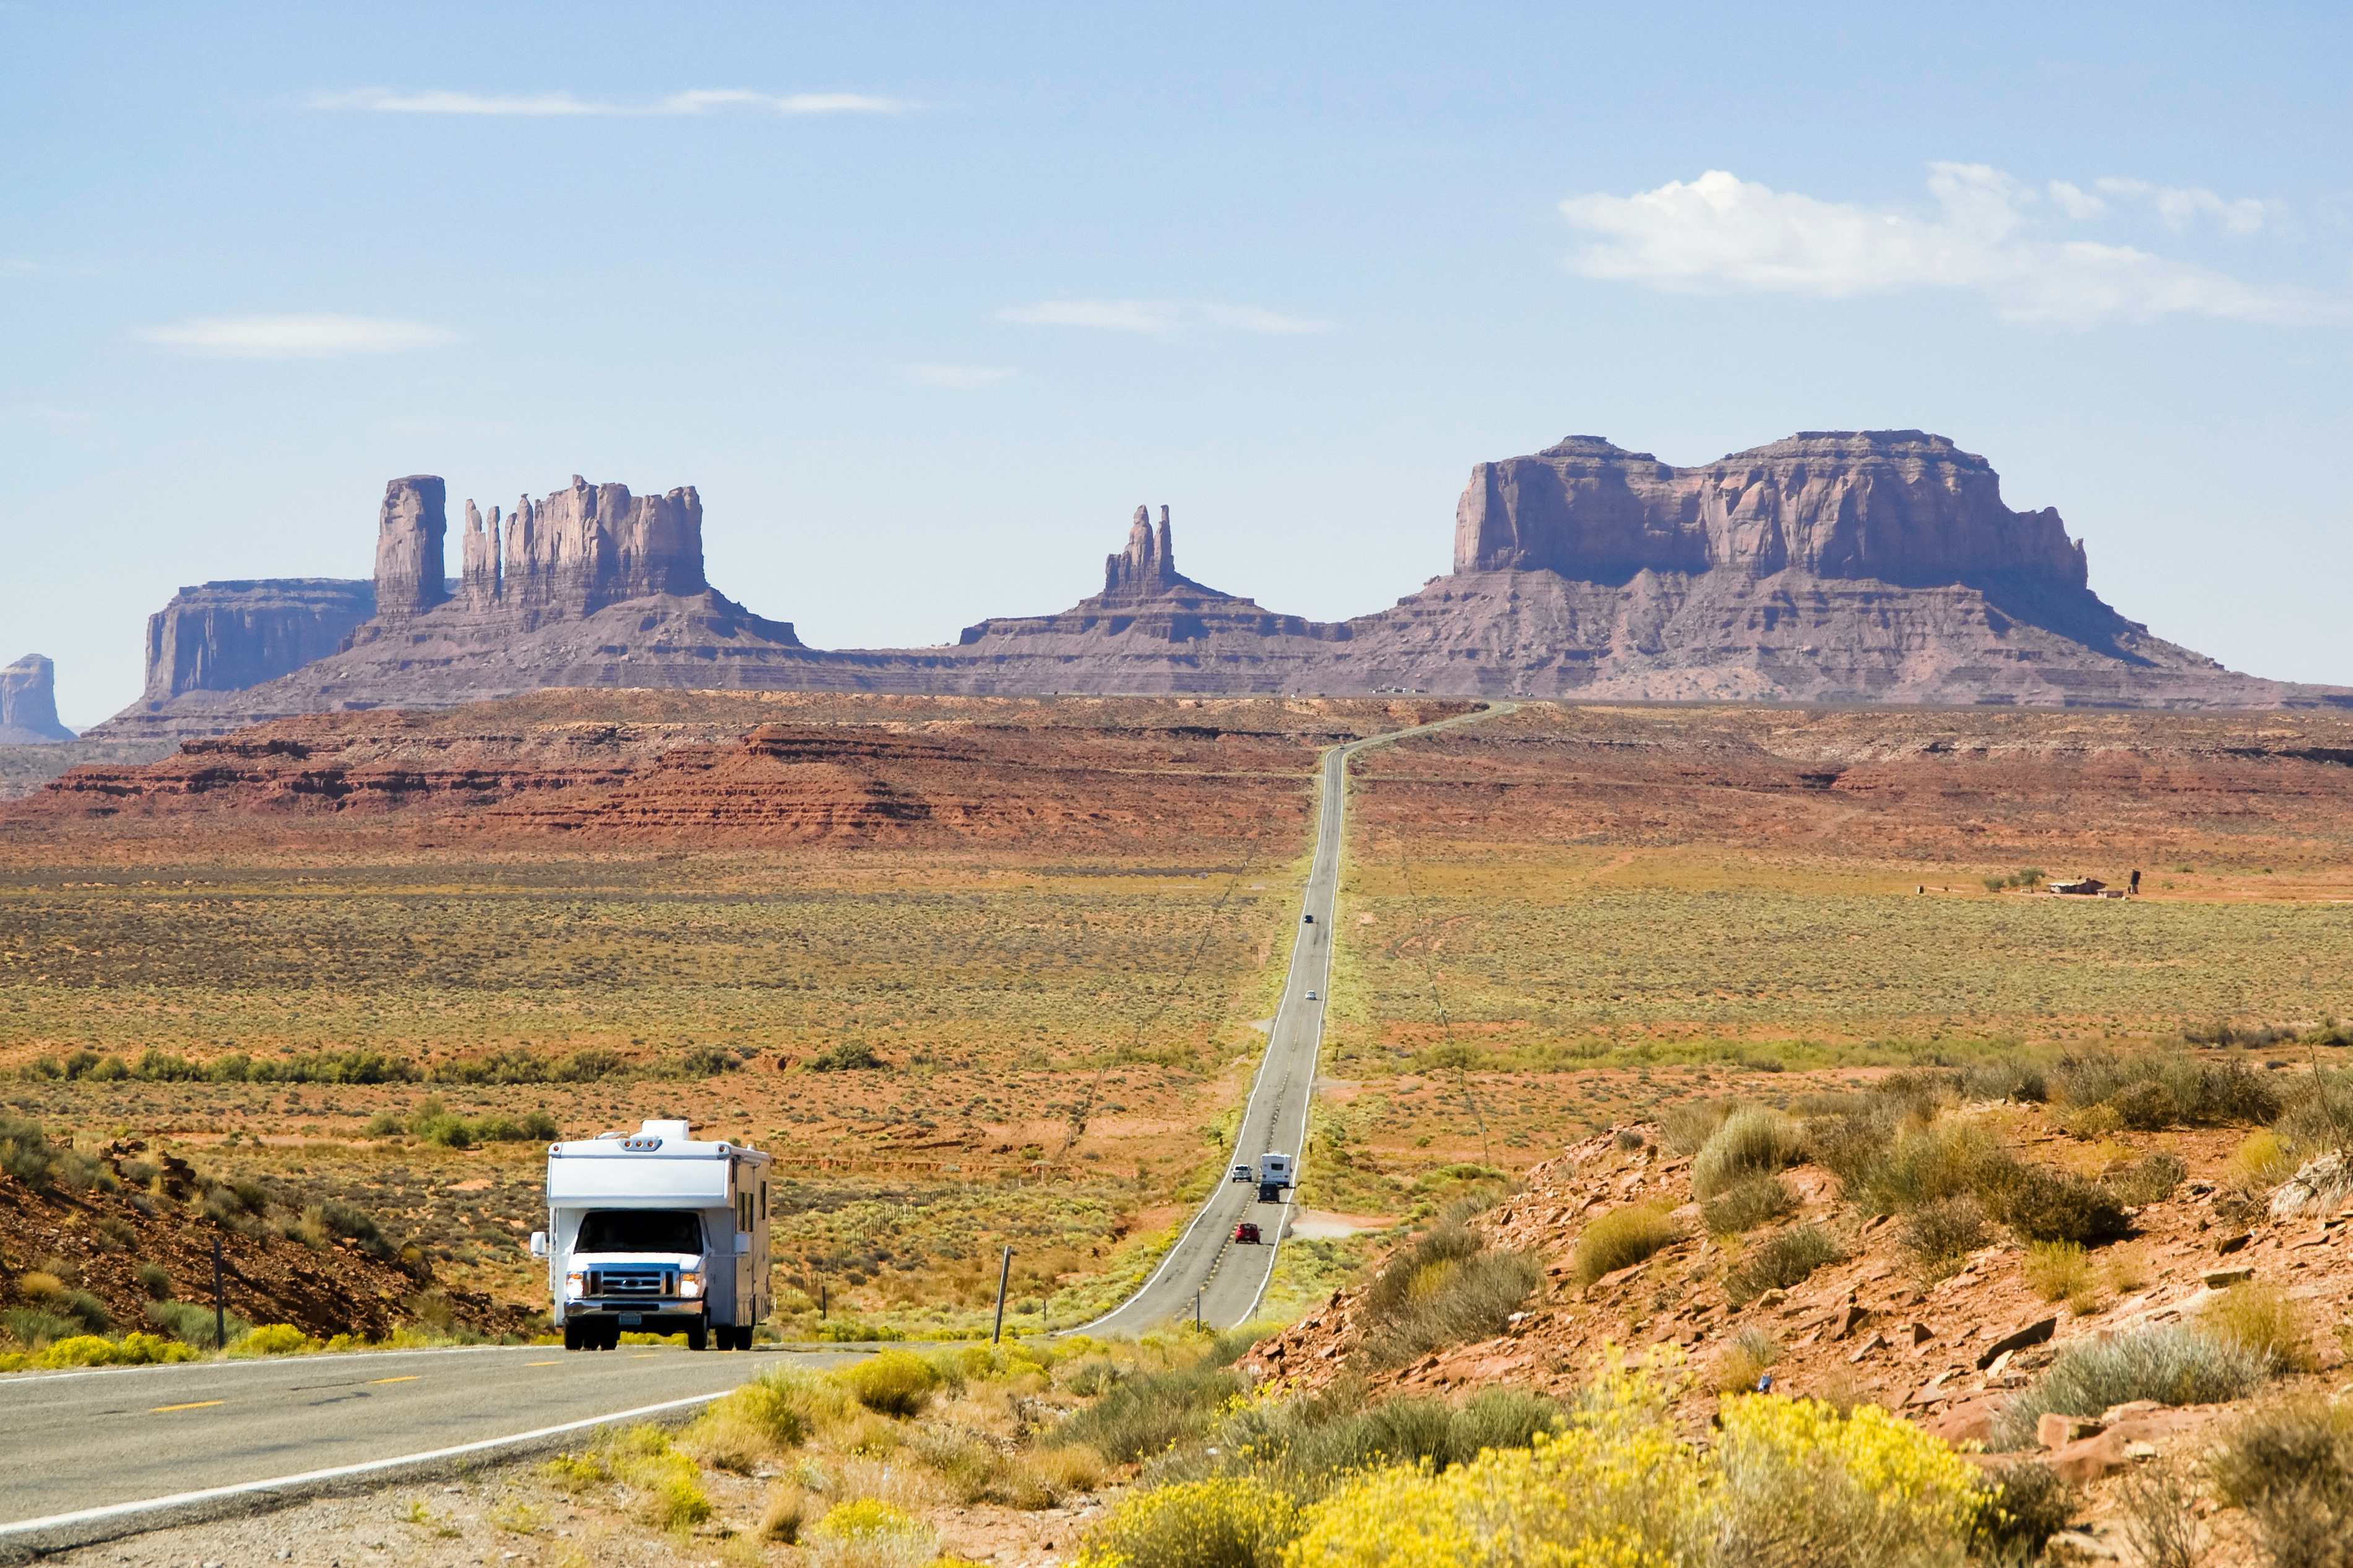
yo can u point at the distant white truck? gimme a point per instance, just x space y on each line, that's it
655 1232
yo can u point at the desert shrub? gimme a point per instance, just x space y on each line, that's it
32 1328
2153 1089
25 1152
2043 1204
1942 1160
1849 1143
2171 1365
2148 1180
334 1217
2012 1077
1920 1093
868 1532
2260 1319
1684 1128
87 1311
1454 1302
2026 1506
847 1055
1747 1204
1305 1445
40 1285
788 1508
1746 1359
775 1411
193 1321
1623 1237
2060 1271
2295 1441
1754 1141
1941 1232
93 1350
1225 1522
1780 1261
2319 1116
2161 1518
155 1282
1448 1241
1147 1413
895 1383
1616 1483
2262 1159
1801 1484
274 1338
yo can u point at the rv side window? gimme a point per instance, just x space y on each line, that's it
640 1230
763 1200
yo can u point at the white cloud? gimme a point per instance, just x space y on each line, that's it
1160 318
1720 232
293 337
2076 202
700 101
2178 205
1249 319
1156 316
956 377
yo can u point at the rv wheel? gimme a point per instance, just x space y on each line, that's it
572 1336
699 1339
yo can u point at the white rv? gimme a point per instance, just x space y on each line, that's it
653 1232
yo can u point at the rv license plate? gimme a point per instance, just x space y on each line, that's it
630 1319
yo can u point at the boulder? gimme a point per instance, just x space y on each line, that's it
2319 1186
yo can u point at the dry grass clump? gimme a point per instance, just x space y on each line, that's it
1746 1360
1684 1127
1623 1237
2025 1507
2260 1319
2148 1180
895 1383
1753 1141
1747 1204
1779 1262
2061 1271
868 1532
2171 1365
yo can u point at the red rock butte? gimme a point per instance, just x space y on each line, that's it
1833 567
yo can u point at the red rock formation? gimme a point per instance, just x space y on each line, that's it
226 636
29 703
408 537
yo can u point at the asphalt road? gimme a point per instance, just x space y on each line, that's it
81 1440
1208 1271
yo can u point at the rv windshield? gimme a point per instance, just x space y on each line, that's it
640 1230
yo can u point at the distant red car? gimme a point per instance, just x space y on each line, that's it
1246 1232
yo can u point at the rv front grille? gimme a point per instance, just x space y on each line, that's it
632 1282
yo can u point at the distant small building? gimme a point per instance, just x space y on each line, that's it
2086 885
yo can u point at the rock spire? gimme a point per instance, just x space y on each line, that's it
1148 565
408 555
29 703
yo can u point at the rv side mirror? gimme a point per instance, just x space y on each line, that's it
743 1244
539 1244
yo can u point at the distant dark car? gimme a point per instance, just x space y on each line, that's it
1247 1233
1310 919
1310 995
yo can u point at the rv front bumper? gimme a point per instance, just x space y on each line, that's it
653 1317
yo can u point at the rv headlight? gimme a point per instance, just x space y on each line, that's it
690 1286
574 1286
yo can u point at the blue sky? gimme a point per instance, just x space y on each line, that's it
926 300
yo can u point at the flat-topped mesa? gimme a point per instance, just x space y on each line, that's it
409 529
228 636
1895 505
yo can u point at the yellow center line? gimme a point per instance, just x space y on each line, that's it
412 1377
543 1364
648 1356
197 1405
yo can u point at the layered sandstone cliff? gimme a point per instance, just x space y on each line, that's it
29 703
1832 567
226 636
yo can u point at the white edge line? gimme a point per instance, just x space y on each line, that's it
339 1472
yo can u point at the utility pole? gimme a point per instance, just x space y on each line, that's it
820 1300
1004 1272
220 1309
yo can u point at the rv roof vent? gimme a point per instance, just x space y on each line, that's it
672 1130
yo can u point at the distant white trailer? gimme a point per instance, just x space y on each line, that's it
1275 1170
653 1231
